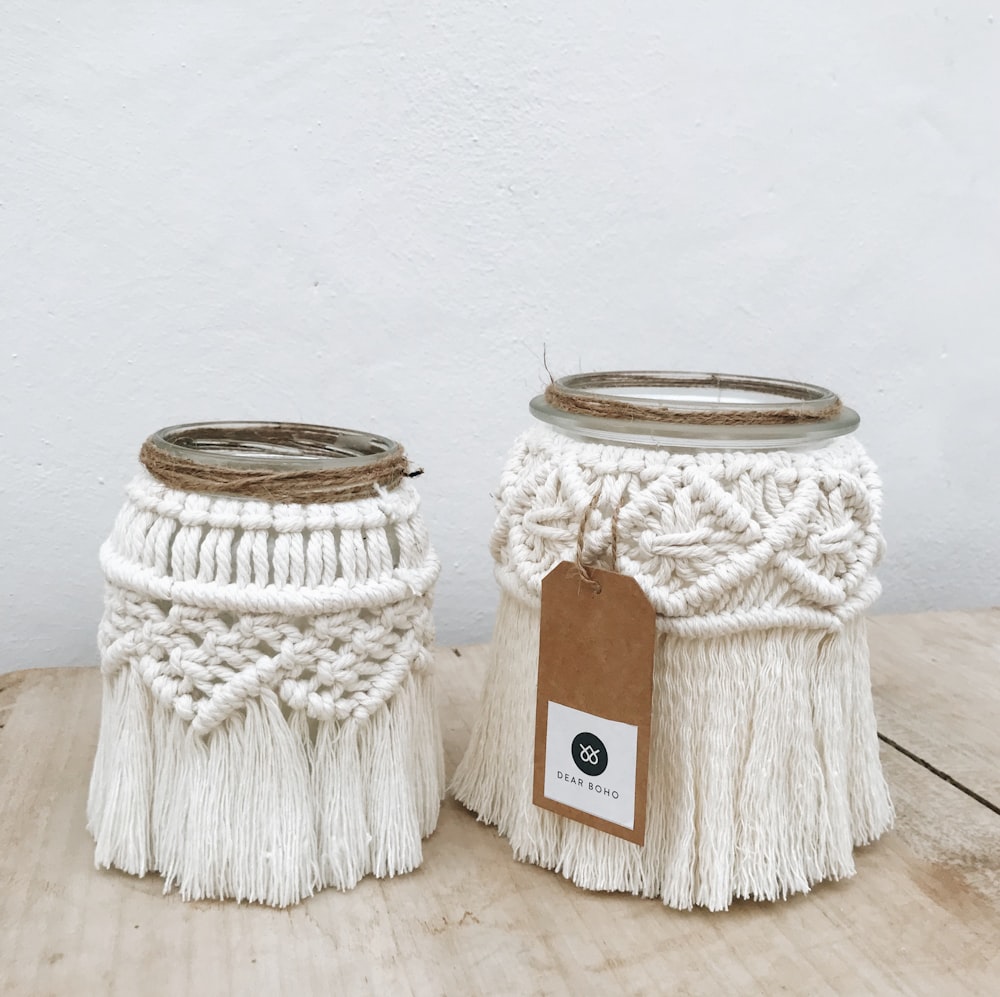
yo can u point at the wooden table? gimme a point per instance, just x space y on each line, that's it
921 916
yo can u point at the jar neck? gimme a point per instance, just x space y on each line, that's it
275 462
282 446
692 412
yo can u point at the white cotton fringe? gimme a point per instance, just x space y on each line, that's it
764 771
263 808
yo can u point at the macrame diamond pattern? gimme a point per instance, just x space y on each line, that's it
720 542
207 654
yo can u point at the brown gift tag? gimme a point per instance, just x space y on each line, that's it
595 694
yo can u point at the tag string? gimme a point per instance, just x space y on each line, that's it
585 571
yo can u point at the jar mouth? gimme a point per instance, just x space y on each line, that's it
693 410
273 446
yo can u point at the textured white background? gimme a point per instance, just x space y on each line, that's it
376 213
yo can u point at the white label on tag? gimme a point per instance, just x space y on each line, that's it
590 764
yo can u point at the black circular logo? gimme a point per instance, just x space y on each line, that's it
589 753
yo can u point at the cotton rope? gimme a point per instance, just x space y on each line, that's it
764 766
269 724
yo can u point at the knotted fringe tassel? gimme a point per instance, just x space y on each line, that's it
269 806
121 786
764 770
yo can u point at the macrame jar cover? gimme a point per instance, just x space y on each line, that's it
268 724
752 525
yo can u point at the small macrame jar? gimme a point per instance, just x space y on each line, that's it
750 519
268 725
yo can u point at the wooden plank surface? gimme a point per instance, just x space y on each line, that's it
922 916
936 679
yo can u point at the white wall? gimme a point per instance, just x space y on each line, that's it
375 214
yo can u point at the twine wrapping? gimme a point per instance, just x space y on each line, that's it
320 484
559 396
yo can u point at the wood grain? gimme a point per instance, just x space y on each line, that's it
936 680
922 916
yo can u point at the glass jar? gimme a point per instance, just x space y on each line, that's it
703 411
268 725
750 519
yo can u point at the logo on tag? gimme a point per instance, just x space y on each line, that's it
589 753
590 772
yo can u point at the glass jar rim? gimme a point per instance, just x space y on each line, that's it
808 413
273 446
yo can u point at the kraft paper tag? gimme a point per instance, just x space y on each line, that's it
595 694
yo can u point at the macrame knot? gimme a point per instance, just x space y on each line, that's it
719 541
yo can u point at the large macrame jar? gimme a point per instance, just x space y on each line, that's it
268 724
750 519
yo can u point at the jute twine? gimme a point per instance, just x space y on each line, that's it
256 480
586 403
583 569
